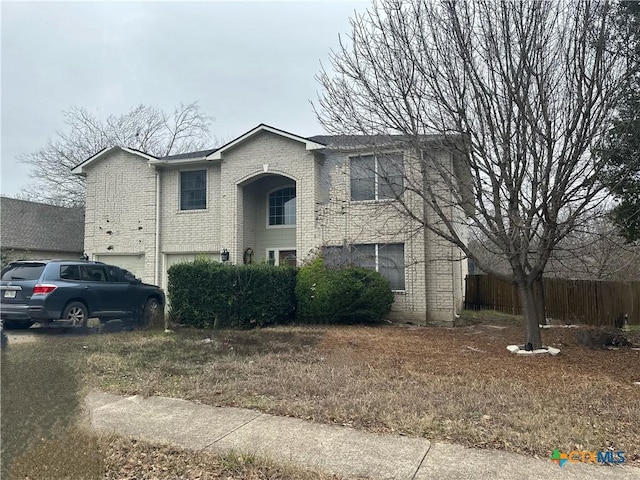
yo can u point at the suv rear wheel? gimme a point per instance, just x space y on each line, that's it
76 313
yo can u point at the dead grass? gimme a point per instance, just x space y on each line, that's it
42 434
459 385
80 455
38 396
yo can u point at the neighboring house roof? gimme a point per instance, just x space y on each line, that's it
38 226
79 169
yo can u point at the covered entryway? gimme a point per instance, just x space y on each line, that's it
132 262
269 213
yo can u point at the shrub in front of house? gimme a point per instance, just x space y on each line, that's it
206 294
341 295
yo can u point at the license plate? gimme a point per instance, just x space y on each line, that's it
10 294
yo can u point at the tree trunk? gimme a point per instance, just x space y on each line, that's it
531 312
538 292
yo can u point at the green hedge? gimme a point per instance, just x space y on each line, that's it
206 294
344 295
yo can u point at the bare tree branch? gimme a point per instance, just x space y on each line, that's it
144 128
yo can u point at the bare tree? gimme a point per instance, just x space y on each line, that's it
144 128
596 251
521 92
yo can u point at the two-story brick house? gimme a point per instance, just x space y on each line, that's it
271 196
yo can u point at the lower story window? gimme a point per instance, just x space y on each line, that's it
387 259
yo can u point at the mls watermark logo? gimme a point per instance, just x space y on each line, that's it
607 457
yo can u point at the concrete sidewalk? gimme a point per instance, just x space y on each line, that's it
328 448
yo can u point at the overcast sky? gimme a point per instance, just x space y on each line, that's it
245 63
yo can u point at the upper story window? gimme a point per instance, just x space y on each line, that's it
193 190
282 206
377 177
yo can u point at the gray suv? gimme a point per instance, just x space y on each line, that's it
71 291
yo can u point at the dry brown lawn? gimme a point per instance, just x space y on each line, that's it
452 384
80 455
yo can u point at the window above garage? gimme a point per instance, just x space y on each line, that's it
193 190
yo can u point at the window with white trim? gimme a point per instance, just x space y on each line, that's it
387 259
282 207
193 190
377 177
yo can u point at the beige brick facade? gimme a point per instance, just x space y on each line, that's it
120 208
133 207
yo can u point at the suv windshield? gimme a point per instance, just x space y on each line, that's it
22 271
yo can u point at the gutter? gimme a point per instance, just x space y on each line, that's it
184 161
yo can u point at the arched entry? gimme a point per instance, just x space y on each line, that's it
269 218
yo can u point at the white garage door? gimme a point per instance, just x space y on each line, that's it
133 263
173 258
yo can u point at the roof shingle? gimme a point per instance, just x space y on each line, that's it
183 156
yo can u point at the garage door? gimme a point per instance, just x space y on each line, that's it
173 258
133 263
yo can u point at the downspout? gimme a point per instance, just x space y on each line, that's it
426 247
455 264
157 239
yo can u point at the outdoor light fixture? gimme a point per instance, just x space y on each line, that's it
224 256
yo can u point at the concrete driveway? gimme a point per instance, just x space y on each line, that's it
15 337
37 333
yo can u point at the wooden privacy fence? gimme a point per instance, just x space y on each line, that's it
591 302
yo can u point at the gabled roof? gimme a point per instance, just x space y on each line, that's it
367 141
38 226
79 169
189 155
218 153
318 142
309 144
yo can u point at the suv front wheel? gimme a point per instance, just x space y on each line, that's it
76 313
152 313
